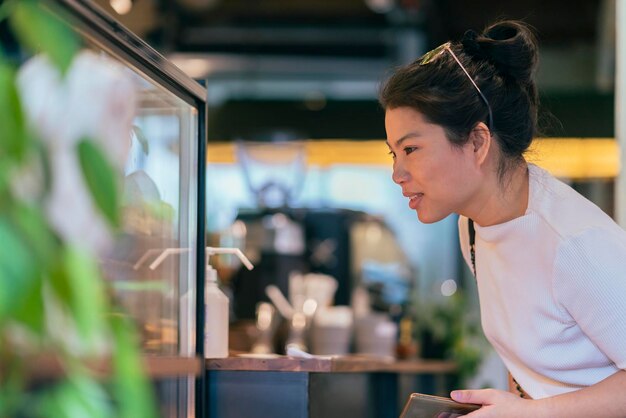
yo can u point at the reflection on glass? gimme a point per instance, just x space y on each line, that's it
159 213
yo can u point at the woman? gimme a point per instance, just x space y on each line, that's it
550 266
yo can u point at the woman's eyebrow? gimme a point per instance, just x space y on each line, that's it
404 138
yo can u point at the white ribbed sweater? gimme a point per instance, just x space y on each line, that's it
552 289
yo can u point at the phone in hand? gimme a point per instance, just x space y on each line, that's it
428 406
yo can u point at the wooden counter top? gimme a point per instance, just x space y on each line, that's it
337 364
46 367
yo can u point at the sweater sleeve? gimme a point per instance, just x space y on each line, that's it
590 284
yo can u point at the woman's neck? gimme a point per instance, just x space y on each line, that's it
510 202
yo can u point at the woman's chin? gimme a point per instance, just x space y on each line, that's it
428 218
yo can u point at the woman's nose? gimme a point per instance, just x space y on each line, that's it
399 174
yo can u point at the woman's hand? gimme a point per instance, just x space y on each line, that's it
583 403
495 403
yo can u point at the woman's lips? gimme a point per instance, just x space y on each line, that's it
414 200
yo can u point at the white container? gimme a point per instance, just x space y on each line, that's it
376 334
216 303
215 318
332 331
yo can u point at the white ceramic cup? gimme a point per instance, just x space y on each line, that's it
376 334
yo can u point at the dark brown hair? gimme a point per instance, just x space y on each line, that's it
502 61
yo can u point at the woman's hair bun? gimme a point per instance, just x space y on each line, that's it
471 45
509 45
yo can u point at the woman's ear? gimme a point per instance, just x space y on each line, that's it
481 141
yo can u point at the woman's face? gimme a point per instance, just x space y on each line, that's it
436 176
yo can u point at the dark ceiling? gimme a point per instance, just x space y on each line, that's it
340 39
350 27
556 21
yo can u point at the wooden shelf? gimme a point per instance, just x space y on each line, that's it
161 367
340 364
49 367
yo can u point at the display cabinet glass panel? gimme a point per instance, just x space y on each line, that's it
156 267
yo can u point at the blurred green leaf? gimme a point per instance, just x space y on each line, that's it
132 389
100 178
17 270
42 246
5 9
5 176
77 397
61 285
87 301
12 382
30 311
41 31
14 141
34 229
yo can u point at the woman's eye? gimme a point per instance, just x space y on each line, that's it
408 150
393 154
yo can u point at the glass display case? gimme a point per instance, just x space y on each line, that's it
152 267
156 266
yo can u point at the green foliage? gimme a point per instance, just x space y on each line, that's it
40 273
11 394
100 178
77 397
87 295
17 271
455 329
41 31
13 139
137 400
33 227
30 310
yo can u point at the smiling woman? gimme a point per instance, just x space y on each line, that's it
459 121
427 166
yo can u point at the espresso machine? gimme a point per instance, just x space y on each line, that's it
282 241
